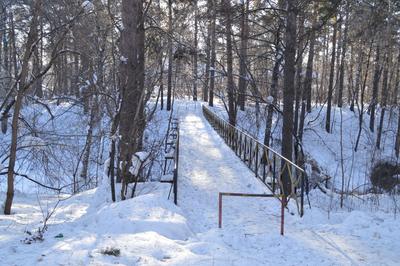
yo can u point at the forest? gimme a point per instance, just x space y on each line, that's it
110 109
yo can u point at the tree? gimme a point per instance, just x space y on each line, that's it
131 124
331 77
229 62
288 92
212 7
170 57
244 36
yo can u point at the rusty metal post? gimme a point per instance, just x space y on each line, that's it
283 205
220 210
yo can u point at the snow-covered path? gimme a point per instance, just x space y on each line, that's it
208 167
250 233
150 230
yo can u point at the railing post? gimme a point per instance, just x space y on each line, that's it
274 174
302 195
256 166
247 148
250 152
283 205
220 210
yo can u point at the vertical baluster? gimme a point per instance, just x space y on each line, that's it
256 166
240 145
264 161
250 152
245 148
274 174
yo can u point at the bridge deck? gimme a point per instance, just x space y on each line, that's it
250 232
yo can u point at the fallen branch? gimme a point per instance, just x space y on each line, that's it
33 180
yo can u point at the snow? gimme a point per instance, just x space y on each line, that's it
270 99
88 6
150 230
324 148
139 160
124 59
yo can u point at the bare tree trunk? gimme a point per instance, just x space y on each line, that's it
375 88
397 144
89 140
208 52
14 47
170 57
331 77
37 64
342 63
132 83
288 93
6 39
213 53
229 62
274 83
244 36
32 36
356 91
308 78
195 51
397 82
384 95
299 69
361 105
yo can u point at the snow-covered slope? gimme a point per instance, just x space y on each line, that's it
150 230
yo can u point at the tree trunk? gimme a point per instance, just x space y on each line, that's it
32 36
195 55
89 140
288 93
375 88
361 105
299 69
229 62
208 54
342 64
308 78
132 84
331 77
170 57
213 53
274 85
384 95
244 36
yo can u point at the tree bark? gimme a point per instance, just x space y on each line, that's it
384 94
213 53
32 36
229 62
132 84
244 36
331 78
375 88
170 57
342 63
288 94
195 54
308 78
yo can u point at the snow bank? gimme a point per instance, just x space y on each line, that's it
148 228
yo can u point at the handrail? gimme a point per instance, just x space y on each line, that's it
257 157
258 142
176 166
172 142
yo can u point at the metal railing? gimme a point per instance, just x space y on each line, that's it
172 144
267 164
176 166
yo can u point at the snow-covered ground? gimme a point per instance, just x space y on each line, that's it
325 148
150 230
